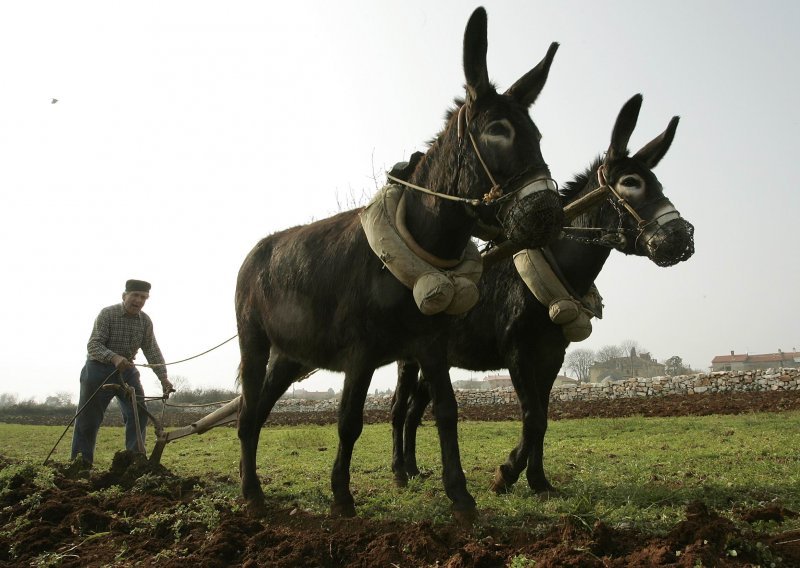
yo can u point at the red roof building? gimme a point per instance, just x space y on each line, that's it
747 362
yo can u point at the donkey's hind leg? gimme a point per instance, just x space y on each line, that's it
281 373
420 399
254 347
407 373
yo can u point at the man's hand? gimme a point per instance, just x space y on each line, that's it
121 363
167 387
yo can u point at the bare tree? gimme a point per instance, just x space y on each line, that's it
8 399
630 345
609 352
180 382
579 361
61 399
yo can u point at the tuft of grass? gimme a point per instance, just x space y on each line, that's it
521 561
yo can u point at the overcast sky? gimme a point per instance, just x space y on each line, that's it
186 131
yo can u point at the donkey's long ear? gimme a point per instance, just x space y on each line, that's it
654 150
623 128
475 47
528 87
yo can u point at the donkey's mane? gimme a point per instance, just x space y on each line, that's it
572 189
581 184
458 102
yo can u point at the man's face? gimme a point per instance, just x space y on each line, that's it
133 302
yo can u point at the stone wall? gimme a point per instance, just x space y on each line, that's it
720 381
732 381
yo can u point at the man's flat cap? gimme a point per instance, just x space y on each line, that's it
137 286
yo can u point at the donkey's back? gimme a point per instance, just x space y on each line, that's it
317 292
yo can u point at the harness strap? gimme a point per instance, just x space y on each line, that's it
553 264
450 290
413 245
564 308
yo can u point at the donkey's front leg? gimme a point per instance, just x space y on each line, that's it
533 370
445 410
351 422
521 368
551 363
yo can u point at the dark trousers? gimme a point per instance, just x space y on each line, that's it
87 424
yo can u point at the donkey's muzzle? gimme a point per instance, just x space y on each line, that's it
533 216
671 242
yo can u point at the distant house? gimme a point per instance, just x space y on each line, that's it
619 368
747 362
309 395
498 381
564 380
470 384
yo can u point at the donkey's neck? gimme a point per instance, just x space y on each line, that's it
581 262
441 228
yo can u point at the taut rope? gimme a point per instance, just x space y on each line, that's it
473 202
188 358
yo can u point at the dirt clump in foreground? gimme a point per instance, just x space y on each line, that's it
69 521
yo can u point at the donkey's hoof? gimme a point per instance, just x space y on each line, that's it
343 510
499 483
400 480
465 518
256 508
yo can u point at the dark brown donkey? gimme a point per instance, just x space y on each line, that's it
316 296
509 328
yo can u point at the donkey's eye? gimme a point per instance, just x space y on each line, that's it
629 181
498 128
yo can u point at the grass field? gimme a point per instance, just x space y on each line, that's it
637 472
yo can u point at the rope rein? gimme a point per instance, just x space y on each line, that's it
188 358
473 202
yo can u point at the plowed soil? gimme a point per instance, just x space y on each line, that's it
71 524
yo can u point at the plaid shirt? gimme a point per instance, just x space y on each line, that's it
117 333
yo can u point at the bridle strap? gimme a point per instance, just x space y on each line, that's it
494 194
463 126
601 178
473 202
